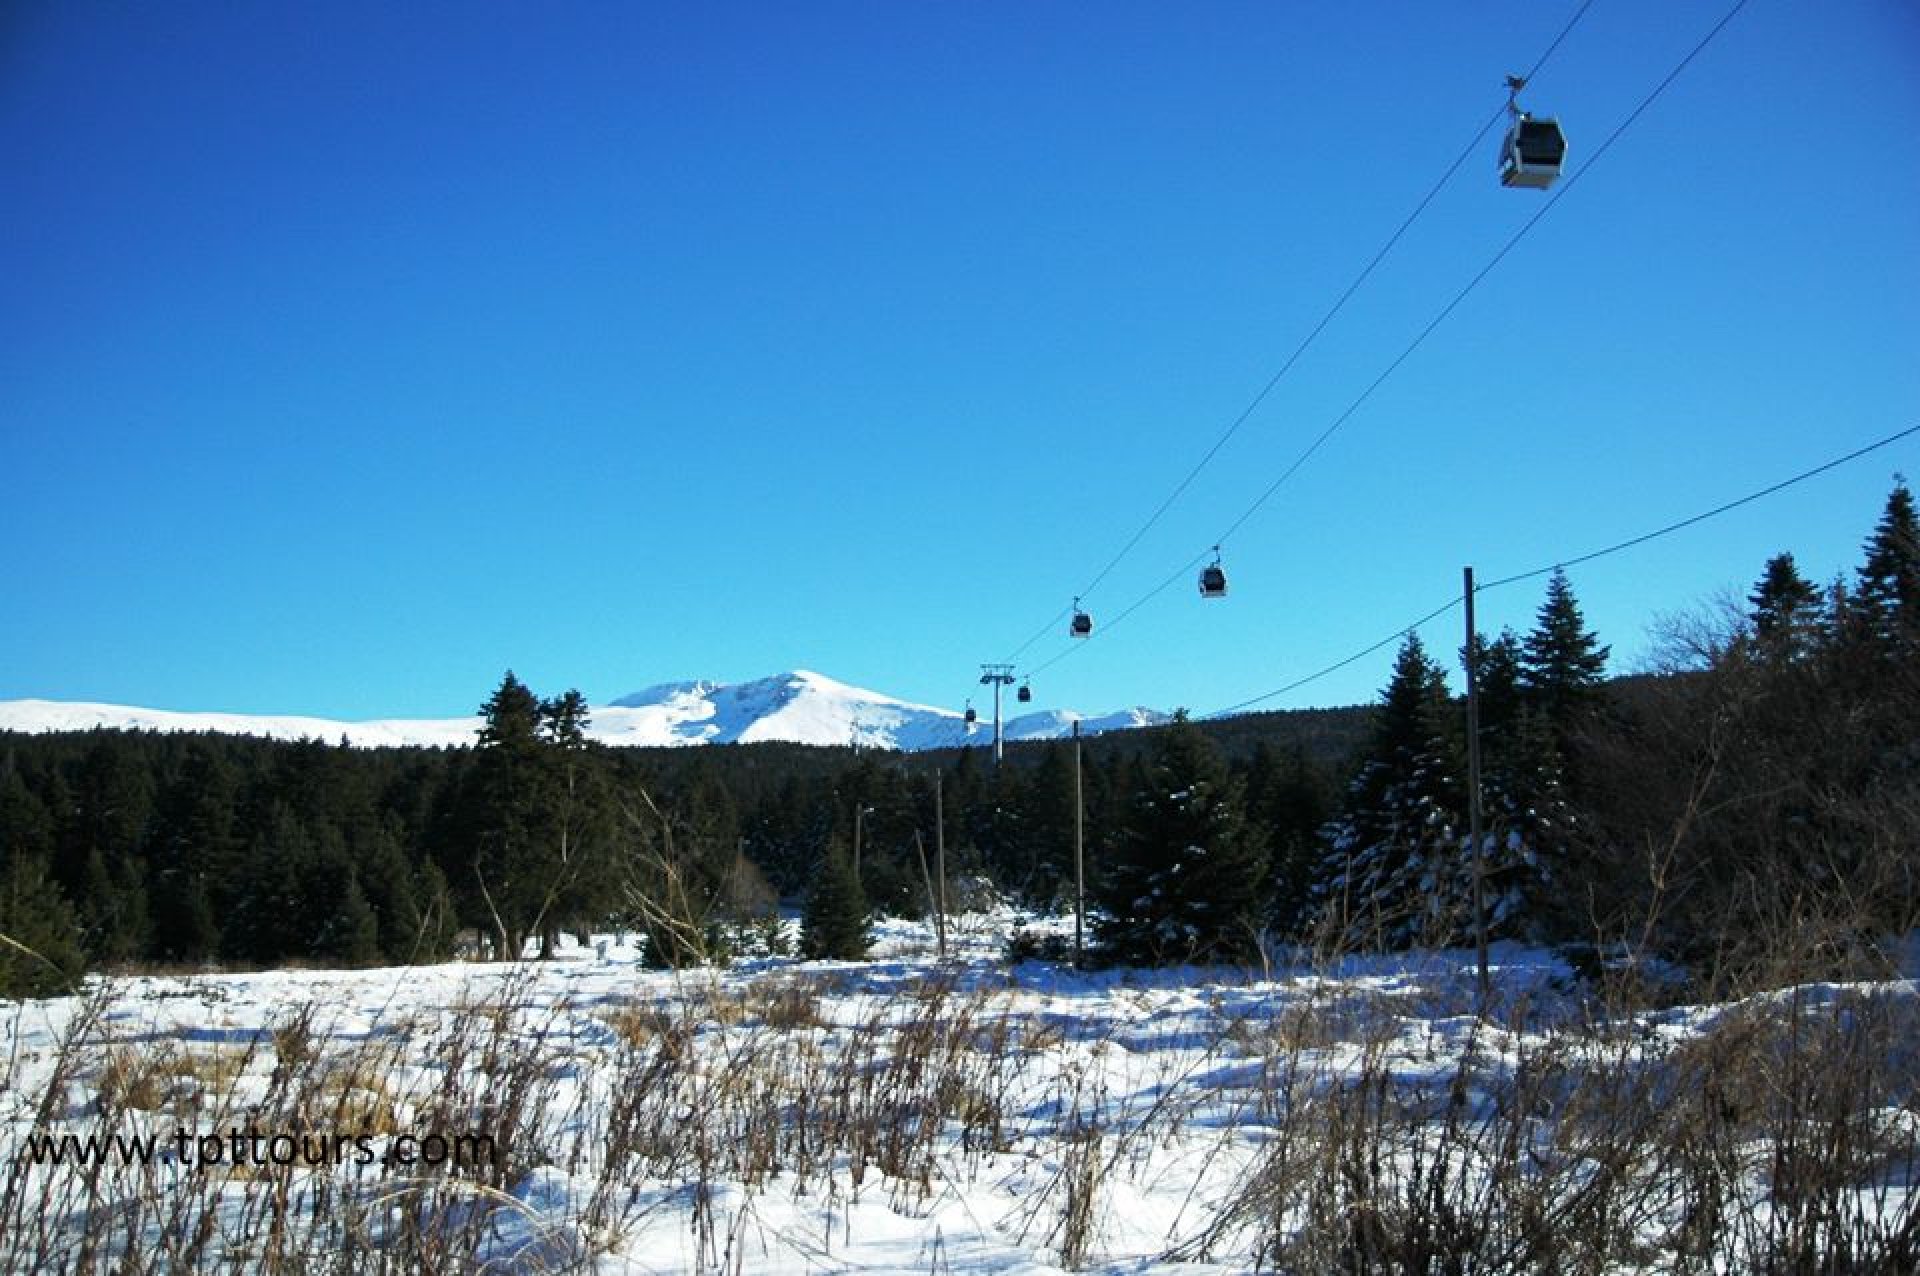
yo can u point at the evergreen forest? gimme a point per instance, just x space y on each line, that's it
1752 796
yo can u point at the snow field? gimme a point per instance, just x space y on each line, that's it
912 1115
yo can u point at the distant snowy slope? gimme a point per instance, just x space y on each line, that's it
39 716
801 707
1054 724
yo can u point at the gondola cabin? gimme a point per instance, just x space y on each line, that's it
1081 626
971 716
1024 695
1533 153
1213 581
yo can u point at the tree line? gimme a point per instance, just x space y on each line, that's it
1762 781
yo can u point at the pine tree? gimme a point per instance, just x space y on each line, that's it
350 935
1886 602
1289 800
1048 831
1186 873
1497 665
513 816
101 865
1562 664
1528 825
1786 613
1393 866
267 895
1526 819
833 926
192 856
40 953
579 824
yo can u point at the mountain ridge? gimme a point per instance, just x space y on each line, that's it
799 707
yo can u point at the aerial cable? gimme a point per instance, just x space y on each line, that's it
1479 277
1313 335
1460 296
1559 564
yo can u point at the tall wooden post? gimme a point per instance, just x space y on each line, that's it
1473 792
940 866
859 809
1079 859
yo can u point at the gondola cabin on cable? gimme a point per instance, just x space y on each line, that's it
1082 624
1532 153
970 716
1534 150
1024 695
1213 578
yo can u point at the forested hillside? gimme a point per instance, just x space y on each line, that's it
1759 789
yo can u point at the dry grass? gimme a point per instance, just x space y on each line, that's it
1350 1135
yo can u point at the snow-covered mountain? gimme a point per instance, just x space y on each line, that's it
801 707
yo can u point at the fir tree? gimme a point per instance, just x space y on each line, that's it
1289 800
1048 831
1186 873
1562 663
1886 603
1392 869
1497 665
833 926
40 953
1528 825
1526 819
101 865
192 855
349 935
1786 613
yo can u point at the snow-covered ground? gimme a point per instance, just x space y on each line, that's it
913 1115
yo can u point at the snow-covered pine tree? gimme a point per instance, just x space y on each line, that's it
1186 873
1527 829
1526 818
1391 873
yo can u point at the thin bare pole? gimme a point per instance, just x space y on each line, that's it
920 849
859 809
1079 859
1473 793
940 866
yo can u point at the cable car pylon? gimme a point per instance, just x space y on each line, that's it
997 676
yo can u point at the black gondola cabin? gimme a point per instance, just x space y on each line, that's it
1533 153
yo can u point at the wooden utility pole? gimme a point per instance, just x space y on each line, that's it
926 874
1079 859
940 866
1473 792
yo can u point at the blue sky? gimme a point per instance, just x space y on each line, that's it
353 353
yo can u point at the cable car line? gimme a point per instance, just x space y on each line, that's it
1107 627
1615 548
1366 271
1445 311
1494 261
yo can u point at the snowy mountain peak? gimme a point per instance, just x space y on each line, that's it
801 707
662 693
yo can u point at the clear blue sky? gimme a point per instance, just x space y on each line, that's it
353 353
